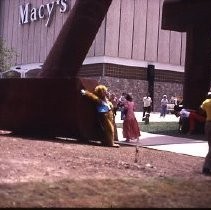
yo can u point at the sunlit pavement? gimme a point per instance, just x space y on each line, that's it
186 146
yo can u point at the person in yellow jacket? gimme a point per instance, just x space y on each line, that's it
105 113
206 106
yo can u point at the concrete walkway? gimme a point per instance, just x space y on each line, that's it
186 146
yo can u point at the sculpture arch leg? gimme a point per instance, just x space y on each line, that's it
197 67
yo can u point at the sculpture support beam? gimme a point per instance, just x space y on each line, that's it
193 17
74 40
197 66
53 104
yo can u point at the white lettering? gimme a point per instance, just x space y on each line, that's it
50 8
41 12
24 14
29 14
33 14
64 6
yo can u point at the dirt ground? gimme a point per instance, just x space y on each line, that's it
64 173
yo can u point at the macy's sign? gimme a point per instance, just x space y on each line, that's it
28 13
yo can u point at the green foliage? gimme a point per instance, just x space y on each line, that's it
12 74
6 56
165 128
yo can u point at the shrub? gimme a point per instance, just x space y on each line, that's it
6 56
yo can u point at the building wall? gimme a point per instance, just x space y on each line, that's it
131 30
139 88
133 80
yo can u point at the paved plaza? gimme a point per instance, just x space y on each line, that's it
162 142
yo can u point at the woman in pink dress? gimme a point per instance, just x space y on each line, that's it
131 128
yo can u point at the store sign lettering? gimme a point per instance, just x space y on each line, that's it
28 13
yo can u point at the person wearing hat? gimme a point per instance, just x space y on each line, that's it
206 106
164 101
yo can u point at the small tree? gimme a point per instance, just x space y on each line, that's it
6 56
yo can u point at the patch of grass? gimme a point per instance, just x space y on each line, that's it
165 128
160 127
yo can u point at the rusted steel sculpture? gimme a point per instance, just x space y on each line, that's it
52 103
194 18
75 39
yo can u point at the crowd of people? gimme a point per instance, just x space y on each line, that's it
108 102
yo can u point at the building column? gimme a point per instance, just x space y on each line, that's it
151 81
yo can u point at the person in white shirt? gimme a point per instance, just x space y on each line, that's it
147 102
193 117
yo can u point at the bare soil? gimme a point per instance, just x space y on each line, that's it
64 173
